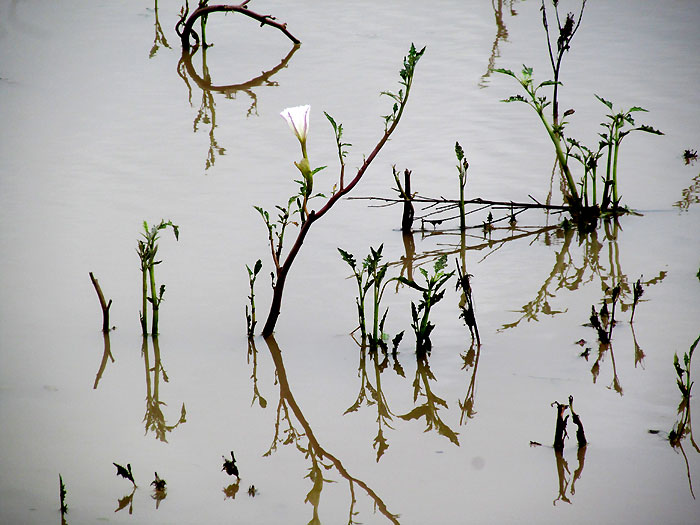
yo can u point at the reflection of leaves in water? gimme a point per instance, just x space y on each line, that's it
305 441
206 113
471 360
430 409
253 354
690 195
154 418
501 34
232 490
372 395
159 38
126 501
567 274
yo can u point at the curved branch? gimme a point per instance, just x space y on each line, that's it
240 8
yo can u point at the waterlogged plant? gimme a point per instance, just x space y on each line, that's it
432 292
555 129
682 426
611 140
370 276
462 167
147 249
576 195
298 120
250 313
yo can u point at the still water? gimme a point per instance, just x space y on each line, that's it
105 125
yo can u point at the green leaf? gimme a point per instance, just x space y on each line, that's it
606 102
515 98
637 108
649 129
504 71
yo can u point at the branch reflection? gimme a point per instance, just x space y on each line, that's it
107 354
207 108
154 418
289 416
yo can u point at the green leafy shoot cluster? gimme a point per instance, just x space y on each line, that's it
432 292
147 249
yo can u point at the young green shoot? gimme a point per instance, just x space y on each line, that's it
250 313
432 292
462 167
147 248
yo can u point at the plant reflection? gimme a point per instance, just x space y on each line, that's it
289 414
371 394
501 34
232 489
159 39
568 274
683 427
564 474
107 354
470 360
431 407
154 418
126 501
253 355
207 108
690 195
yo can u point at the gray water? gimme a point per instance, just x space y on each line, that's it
103 129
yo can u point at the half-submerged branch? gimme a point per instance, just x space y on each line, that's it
184 27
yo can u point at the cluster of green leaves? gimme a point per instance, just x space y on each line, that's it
555 129
370 275
406 74
147 249
432 292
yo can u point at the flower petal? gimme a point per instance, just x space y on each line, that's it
298 120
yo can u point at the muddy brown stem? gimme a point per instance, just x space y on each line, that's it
560 432
105 306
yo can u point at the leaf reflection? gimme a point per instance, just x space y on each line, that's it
501 34
431 407
159 39
126 501
289 413
471 360
569 274
207 109
154 417
371 394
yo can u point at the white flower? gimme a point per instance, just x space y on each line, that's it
298 120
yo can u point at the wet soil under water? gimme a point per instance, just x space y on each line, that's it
104 127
